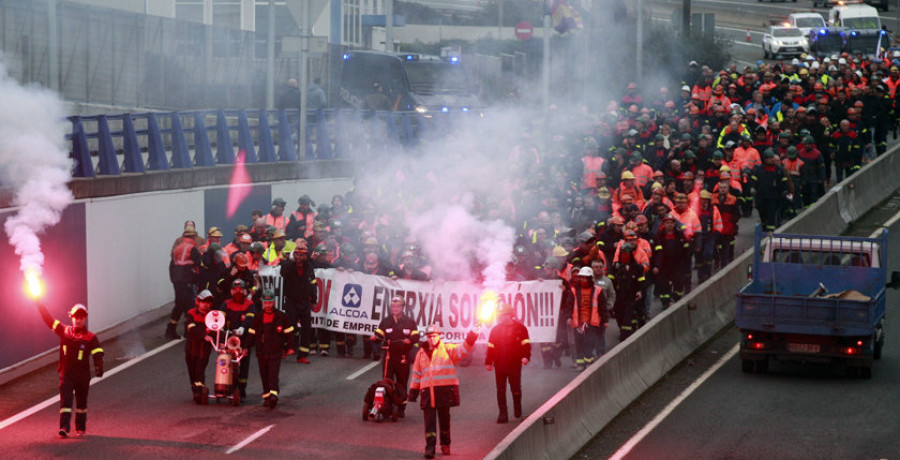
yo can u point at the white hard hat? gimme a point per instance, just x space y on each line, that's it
78 309
585 271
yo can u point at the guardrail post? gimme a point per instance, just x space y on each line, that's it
83 166
266 147
108 164
286 150
224 145
157 159
181 157
133 161
323 139
202 149
245 139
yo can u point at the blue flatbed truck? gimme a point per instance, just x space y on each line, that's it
814 299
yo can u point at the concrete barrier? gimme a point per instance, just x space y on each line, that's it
572 417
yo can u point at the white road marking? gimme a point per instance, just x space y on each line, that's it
640 435
362 371
885 225
250 439
51 401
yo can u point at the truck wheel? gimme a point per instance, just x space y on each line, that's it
747 366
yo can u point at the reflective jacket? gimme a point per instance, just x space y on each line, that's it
435 375
75 346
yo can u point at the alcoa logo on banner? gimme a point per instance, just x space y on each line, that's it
352 297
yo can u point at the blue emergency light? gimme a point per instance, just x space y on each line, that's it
445 109
454 59
346 56
823 31
853 33
465 109
412 57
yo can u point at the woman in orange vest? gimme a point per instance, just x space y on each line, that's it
434 377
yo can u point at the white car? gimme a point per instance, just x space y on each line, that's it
806 22
780 40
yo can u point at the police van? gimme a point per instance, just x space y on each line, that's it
427 84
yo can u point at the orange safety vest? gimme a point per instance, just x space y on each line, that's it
181 254
690 221
438 370
642 253
586 309
749 157
643 173
310 221
891 85
278 222
792 166
593 166
634 191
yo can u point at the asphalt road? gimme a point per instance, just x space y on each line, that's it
146 411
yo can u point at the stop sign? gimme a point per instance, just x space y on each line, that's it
524 30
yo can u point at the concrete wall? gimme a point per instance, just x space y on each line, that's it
584 407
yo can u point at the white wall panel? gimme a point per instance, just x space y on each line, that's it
129 239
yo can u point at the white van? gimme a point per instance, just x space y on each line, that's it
854 16
806 21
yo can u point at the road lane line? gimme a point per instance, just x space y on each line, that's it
885 225
250 439
55 399
640 435
362 371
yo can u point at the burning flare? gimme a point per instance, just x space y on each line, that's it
34 286
487 307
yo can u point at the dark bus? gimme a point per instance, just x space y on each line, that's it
405 82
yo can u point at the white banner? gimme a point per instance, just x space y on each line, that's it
354 303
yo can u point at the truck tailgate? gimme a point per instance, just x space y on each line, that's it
806 315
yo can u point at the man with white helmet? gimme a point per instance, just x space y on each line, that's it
76 345
589 317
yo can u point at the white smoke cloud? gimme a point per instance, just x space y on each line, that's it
437 190
34 163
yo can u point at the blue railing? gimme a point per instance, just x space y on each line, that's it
111 145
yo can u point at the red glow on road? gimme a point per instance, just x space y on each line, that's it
33 284
239 187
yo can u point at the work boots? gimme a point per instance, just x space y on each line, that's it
170 331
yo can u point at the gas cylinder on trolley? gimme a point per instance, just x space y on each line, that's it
227 366
227 362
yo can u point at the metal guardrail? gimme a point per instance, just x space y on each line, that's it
142 142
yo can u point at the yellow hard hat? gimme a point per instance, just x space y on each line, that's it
627 175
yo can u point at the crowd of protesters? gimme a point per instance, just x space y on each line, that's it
636 203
